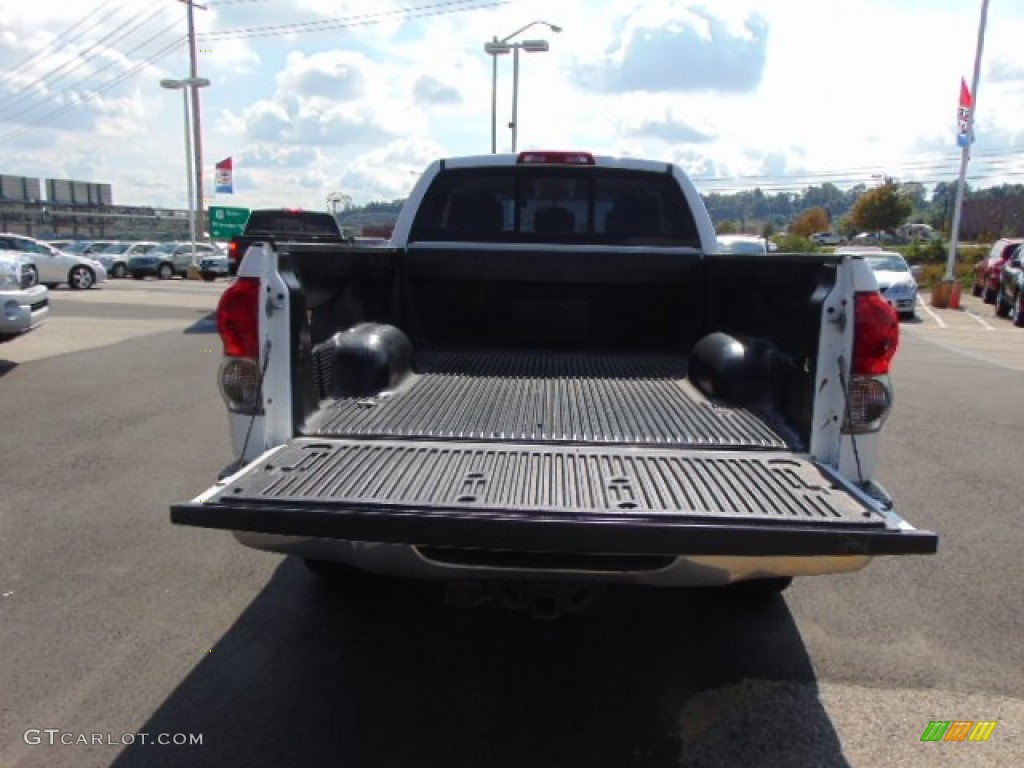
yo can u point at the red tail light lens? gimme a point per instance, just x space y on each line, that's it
238 321
876 334
233 253
555 158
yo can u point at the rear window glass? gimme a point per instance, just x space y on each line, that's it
295 222
585 205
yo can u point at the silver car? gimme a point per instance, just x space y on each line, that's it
24 304
214 265
116 255
895 280
167 260
54 266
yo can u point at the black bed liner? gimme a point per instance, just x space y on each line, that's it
553 452
610 500
557 397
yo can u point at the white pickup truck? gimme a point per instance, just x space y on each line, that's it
551 376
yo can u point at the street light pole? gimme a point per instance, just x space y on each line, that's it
188 176
530 46
965 151
494 101
185 85
500 47
514 125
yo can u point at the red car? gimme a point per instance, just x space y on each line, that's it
987 270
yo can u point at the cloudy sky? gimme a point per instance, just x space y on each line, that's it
355 97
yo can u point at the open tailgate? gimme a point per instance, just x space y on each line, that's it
522 497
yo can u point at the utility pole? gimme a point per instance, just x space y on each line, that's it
197 139
965 151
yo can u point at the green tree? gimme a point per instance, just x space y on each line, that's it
883 207
728 227
810 221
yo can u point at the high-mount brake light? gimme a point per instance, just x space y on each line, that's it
876 334
555 158
238 318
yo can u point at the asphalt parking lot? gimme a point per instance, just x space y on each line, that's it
972 330
116 622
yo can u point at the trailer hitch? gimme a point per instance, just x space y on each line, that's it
542 600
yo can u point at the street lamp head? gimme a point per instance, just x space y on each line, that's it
497 48
174 85
534 46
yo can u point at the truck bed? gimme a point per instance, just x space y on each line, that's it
558 452
584 398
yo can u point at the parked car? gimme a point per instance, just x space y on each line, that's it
895 281
988 269
214 265
84 247
116 255
918 231
167 260
743 244
827 238
24 304
54 266
1011 283
873 238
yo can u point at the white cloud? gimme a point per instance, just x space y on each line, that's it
739 92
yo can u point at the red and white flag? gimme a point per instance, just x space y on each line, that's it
223 181
963 115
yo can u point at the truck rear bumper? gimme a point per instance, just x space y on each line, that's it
407 561
554 499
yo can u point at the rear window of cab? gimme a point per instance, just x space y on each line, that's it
579 205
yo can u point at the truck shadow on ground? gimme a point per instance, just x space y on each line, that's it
206 324
393 677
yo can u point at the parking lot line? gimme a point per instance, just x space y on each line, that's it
977 318
926 308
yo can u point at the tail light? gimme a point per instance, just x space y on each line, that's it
238 326
555 158
233 256
876 336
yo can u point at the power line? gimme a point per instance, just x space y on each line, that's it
324 25
996 162
88 96
92 52
61 38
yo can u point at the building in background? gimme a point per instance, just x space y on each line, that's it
81 210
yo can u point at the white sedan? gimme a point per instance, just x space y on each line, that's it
55 266
895 279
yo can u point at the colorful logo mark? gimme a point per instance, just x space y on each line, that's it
958 730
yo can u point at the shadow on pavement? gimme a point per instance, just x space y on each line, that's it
6 366
206 324
390 676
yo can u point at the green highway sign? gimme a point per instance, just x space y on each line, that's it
225 222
